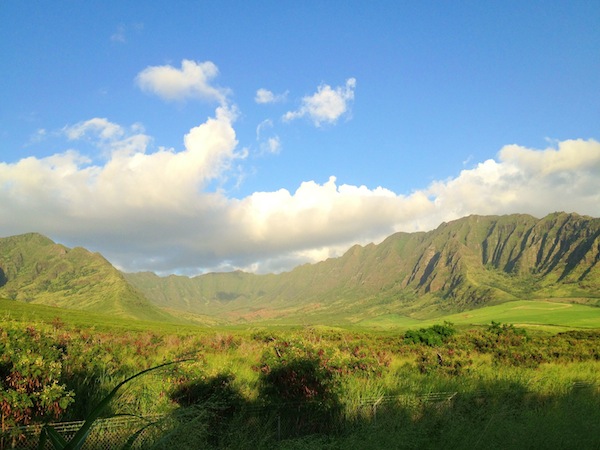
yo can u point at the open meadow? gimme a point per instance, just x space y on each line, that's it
546 314
464 381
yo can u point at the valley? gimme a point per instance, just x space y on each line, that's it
446 338
460 266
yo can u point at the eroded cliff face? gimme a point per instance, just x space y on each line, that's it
463 264
518 255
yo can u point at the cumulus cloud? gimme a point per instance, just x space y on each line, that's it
266 96
528 181
327 105
192 80
133 193
112 139
156 211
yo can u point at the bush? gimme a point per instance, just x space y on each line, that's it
446 361
433 336
301 385
30 371
215 402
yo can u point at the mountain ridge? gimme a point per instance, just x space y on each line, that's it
464 264
35 269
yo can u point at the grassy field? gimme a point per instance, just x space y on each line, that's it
549 315
27 312
391 382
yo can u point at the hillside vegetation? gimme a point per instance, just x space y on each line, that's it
466 264
495 386
34 269
482 333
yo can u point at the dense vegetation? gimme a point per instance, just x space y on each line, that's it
493 386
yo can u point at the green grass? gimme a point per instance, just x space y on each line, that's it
27 312
390 320
532 313
546 315
502 401
528 313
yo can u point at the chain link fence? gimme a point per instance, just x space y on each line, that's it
106 434
278 421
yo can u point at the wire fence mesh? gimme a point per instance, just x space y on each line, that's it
283 421
106 434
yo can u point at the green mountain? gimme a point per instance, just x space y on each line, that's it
462 265
468 263
35 269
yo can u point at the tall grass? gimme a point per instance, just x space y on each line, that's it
381 384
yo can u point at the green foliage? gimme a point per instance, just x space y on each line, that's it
214 400
300 381
447 361
293 372
503 329
434 336
30 374
322 386
576 345
508 345
217 389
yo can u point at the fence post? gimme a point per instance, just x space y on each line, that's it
278 427
375 414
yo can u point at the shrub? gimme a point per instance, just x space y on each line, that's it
215 402
78 440
433 336
301 385
30 370
446 361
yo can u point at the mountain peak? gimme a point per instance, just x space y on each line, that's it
33 268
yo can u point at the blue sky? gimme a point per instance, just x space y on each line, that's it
194 136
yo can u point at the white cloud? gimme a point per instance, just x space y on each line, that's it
40 135
109 137
264 125
267 145
119 35
156 211
193 80
100 127
327 105
525 180
265 96
272 145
